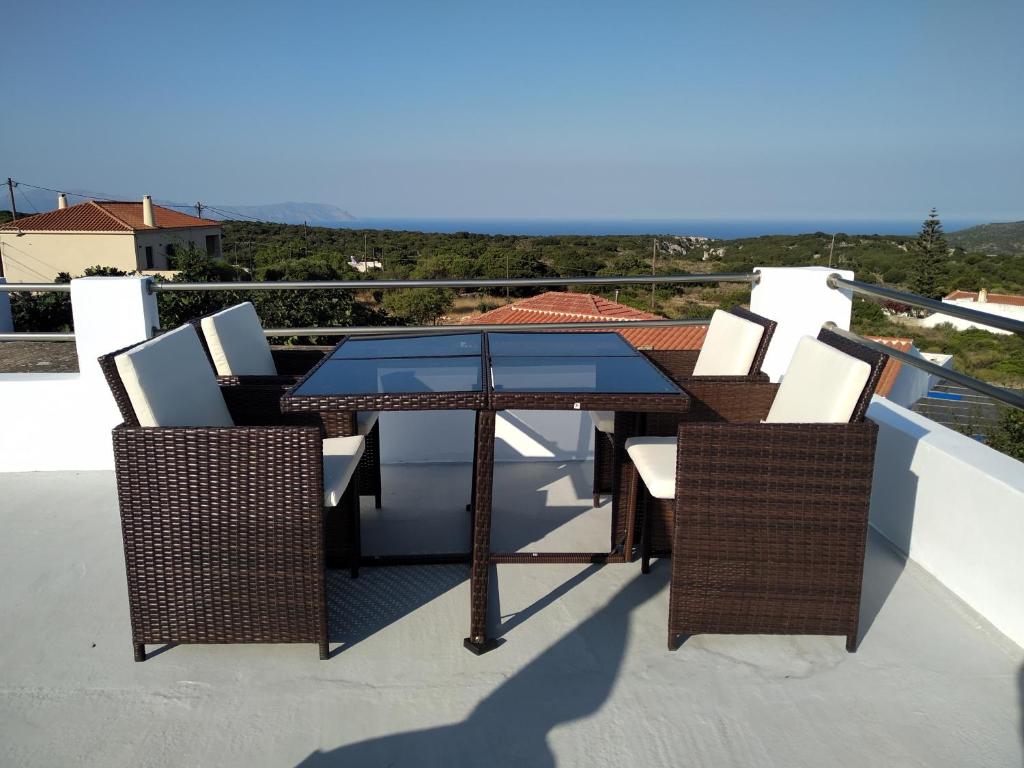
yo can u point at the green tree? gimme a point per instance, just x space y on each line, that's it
931 251
1008 434
418 306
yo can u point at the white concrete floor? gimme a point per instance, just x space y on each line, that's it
583 677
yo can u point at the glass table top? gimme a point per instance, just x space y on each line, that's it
596 375
555 344
385 375
429 345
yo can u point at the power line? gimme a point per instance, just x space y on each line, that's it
28 202
223 211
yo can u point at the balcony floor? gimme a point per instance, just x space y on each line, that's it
583 677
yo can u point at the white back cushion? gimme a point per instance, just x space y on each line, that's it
729 347
237 344
821 384
170 384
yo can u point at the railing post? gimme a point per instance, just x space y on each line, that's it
800 301
109 313
6 321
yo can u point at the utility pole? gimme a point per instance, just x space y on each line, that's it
10 193
199 209
506 276
830 249
654 273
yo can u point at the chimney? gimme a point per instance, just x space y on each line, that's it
147 211
982 295
62 201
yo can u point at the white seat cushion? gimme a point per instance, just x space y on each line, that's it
655 460
170 384
237 344
365 421
821 385
341 455
729 347
604 421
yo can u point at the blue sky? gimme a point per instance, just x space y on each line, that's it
873 109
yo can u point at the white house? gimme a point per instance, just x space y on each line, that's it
1002 304
132 236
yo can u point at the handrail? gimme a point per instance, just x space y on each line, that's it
28 336
384 330
955 310
35 287
522 282
1003 395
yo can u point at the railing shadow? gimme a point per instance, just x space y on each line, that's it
570 680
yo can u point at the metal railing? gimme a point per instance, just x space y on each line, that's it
1007 396
530 282
954 310
1002 394
521 282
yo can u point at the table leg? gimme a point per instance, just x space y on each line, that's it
483 471
627 425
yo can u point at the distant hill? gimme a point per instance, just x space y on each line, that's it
1005 238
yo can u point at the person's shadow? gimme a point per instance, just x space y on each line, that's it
568 681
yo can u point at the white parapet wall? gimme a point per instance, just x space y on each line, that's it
62 421
800 301
956 507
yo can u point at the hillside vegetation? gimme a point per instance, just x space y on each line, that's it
991 238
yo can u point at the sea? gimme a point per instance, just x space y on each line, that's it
723 229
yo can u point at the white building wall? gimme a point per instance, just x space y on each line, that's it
37 257
181 239
1003 310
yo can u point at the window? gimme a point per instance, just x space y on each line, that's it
149 257
170 249
213 245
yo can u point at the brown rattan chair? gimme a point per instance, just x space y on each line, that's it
238 351
679 365
227 529
765 521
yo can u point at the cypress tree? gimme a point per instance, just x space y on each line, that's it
931 250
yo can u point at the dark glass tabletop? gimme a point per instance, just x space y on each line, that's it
586 363
604 375
543 344
387 375
430 345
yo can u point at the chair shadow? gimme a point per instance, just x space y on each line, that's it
569 681
893 500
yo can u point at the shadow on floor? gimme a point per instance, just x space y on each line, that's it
883 566
359 608
568 681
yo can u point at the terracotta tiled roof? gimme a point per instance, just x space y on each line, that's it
556 307
105 216
892 366
993 298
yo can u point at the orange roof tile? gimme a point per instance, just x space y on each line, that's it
557 307
993 298
892 366
105 216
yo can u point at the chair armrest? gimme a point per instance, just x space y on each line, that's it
269 470
674 363
259 404
756 470
297 361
